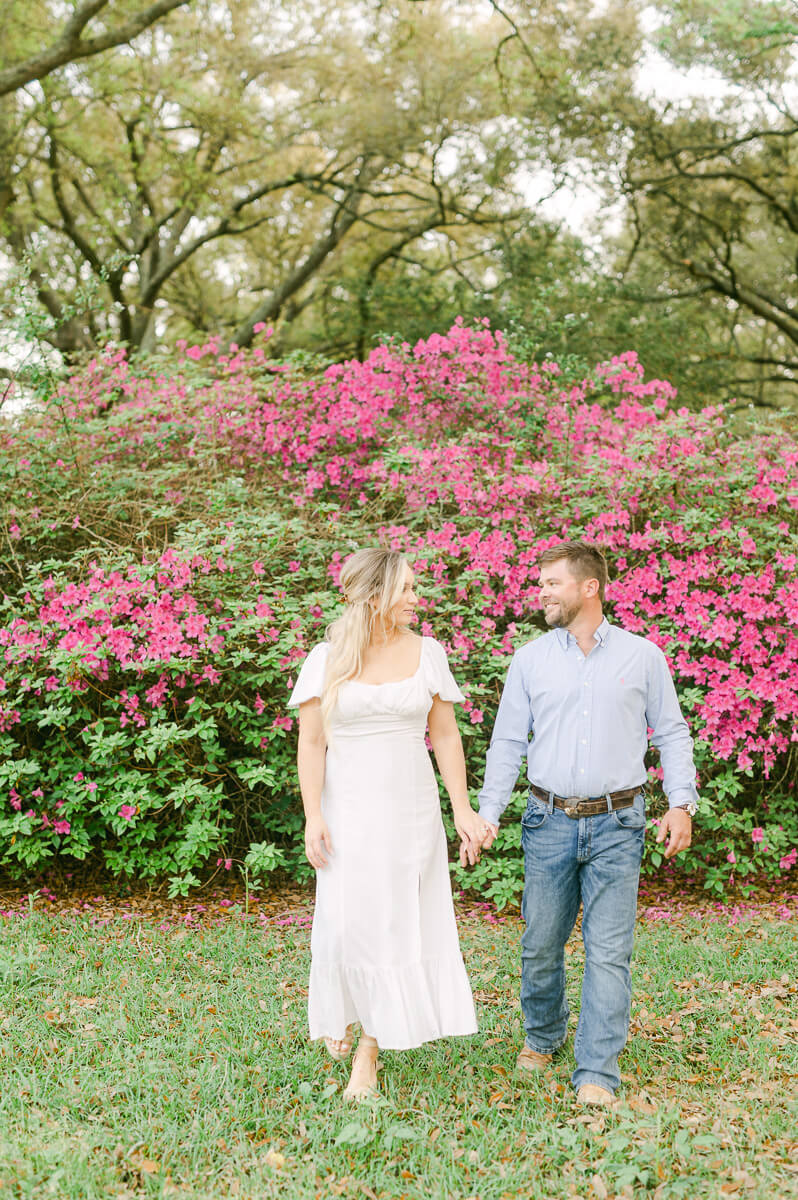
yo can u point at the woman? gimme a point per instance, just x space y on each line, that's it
385 952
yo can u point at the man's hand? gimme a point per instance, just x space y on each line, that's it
491 833
677 827
472 847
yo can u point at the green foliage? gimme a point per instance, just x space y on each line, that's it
141 172
165 569
206 771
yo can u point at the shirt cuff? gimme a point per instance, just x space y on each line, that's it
491 812
680 796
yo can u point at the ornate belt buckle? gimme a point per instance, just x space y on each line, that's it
572 806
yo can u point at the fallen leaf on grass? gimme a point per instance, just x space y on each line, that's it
642 1104
592 1121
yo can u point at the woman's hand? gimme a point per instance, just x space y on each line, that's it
317 841
475 834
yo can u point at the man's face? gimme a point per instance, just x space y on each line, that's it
561 594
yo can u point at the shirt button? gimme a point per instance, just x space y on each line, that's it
584 741
581 770
584 712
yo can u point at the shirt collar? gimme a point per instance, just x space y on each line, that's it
567 639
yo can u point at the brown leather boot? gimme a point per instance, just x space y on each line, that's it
591 1093
532 1060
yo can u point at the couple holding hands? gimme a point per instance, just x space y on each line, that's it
578 705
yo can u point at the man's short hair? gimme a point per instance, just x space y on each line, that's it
584 562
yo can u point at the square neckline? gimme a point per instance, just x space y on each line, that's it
391 682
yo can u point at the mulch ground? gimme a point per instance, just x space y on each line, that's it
102 900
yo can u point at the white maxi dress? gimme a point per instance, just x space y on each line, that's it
384 944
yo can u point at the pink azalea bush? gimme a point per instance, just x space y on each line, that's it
174 537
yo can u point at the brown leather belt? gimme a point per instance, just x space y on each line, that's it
581 806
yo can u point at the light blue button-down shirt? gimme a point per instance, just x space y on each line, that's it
588 717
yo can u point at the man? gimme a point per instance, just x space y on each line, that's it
587 692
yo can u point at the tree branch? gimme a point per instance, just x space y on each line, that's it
757 303
521 41
343 219
156 281
70 46
70 228
393 251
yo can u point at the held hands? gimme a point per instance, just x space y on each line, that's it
476 835
677 827
317 841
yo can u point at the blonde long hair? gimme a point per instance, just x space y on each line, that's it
375 575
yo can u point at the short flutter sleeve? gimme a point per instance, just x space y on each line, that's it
437 676
310 682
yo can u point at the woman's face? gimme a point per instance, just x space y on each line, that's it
404 610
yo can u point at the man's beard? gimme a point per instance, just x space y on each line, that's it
560 615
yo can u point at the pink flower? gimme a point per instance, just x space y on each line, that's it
731 857
127 812
61 827
258 568
758 834
195 624
79 777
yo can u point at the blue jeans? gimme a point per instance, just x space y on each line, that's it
594 861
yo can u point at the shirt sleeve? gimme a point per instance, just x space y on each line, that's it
437 675
508 744
671 735
310 681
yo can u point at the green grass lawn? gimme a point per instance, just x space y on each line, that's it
140 1061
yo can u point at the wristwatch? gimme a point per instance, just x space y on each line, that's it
689 806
